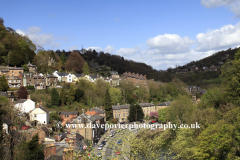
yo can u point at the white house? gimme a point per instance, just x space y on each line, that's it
67 77
25 105
40 114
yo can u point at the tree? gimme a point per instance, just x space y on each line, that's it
3 84
86 69
3 102
35 149
108 106
135 113
115 95
231 73
75 62
63 97
79 94
154 114
55 97
162 115
71 95
22 92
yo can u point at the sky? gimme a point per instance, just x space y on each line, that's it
159 33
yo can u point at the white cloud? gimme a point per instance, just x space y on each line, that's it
216 3
109 49
129 51
20 32
73 48
98 49
233 5
169 43
40 39
34 30
227 36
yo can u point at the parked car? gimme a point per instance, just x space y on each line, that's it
153 121
119 142
25 127
103 143
100 147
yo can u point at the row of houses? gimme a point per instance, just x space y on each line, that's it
121 112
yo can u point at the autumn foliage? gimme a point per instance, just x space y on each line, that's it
22 92
75 62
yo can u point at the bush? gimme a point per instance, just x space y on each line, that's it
30 87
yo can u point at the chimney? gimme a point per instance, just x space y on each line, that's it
129 73
87 109
101 107
145 76
40 103
83 111
15 67
93 109
118 104
37 105
28 97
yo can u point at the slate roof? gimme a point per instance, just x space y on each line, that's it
98 110
79 136
146 104
62 74
98 117
127 106
93 76
44 109
78 119
69 113
137 76
21 101
164 104
13 77
15 68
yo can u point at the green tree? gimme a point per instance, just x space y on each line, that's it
3 102
63 97
115 95
71 95
86 69
231 73
162 114
35 149
55 100
108 106
3 84
79 94
135 113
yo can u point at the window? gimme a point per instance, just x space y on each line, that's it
115 116
127 114
67 116
119 116
119 110
18 80
10 81
35 115
123 114
124 110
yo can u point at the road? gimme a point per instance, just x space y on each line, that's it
110 148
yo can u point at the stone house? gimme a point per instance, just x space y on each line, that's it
135 78
32 68
120 112
83 125
147 108
14 81
163 105
11 71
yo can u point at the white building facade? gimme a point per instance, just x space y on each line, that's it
25 105
40 114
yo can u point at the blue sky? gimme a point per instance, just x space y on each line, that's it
159 33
